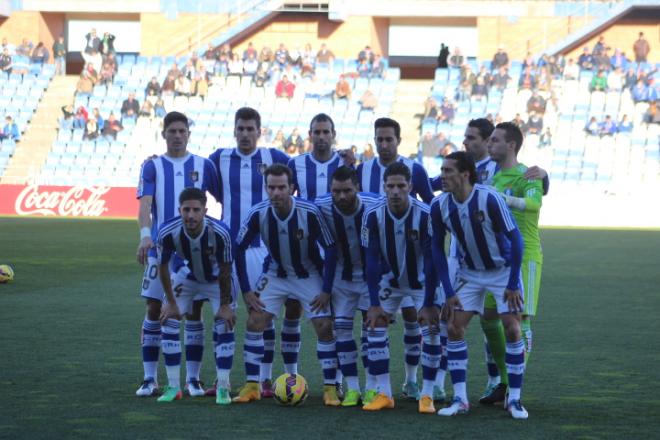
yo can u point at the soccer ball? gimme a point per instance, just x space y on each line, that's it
290 389
6 273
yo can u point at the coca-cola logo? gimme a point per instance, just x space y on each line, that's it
77 201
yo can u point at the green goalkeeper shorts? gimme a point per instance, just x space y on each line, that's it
531 278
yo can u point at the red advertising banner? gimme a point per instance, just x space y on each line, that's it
68 201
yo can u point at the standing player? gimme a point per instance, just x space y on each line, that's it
205 244
395 231
387 136
342 210
491 248
524 197
292 229
161 181
241 187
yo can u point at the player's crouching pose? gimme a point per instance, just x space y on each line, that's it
491 248
292 228
395 231
205 244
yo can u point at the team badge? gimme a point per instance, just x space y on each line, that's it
194 176
300 234
209 251
413 234
262 168
479 216
483 175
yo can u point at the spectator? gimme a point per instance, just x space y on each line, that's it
222 66
108 70
553 69
467 76
91 130
447 111
285 88
40 54
130 107
59 54
267 135
527 79
25 48
107 46
615 80
182 86
367 154
93 45
20 64
500 59
431 109
501 79
292 150
598 82
202 84
366 54
66 123
432 144
5 62
536 103
168 86
112 127
546 138
80 118
639 92
235 66
189 69
174 71
281 56
294 139
279 141
292 74
652 115
630 79
592 128
456 59
249 51
153 87
95 60
159 108
6 45
342 89
443 56
641 49
212 53
619 60
528 61
96 114
602 61
250 65
479 89
225 49
307 61
324 55
571 70
586 60
517 120
447 149
534 124
10 130
485 75
147 109
363 69
295 56
260 77
625 126
266 55
607 127
378 67
599 47
368 101
85 85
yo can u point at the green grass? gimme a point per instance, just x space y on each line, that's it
70 358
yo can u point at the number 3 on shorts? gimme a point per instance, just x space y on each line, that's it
261 284
385 294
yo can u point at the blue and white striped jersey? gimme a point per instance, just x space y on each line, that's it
293 242
165 177
479 226
402 243
313 178
347 230
242 182
486 169
203 254
370 175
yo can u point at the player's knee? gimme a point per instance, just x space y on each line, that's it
258 321
324 328
409 314
292 309
455 331
153 309
511 329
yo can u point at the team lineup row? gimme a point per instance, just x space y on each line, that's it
333 250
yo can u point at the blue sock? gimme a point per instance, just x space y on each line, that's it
412 341
171 345
224 351
253 352
327 355
347 352
457 360
193 333
290 345
150 348
431 350
515 367
379 359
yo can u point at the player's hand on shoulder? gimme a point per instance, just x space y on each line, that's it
169 311
320 302
252 301
143 249
535 172
226 313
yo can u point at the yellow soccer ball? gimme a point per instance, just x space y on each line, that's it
290 389
6 273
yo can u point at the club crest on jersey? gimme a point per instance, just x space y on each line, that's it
194 176
479 216
413 234
209 251
262 168
300 234
483 175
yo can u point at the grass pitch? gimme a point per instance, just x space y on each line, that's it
70 359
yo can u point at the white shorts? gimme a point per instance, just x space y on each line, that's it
254 262
452 263
471 287
274 292
391 299
151 285
349 296
186 291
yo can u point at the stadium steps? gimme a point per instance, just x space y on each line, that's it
408 100
37 141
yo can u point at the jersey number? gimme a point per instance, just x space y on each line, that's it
150 274
261 284
385 294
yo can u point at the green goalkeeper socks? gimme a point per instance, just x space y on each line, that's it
494 332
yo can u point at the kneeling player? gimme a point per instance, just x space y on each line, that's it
205 244
292 228
491 247
396 232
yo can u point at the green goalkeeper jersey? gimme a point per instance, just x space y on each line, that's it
512 182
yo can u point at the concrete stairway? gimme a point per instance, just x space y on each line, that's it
33 149
407 110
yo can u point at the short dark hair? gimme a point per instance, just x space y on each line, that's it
322 117
192 193
248 114
464 162
388 122
175 117
484 126
512 133
344 173
278 169
397 169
